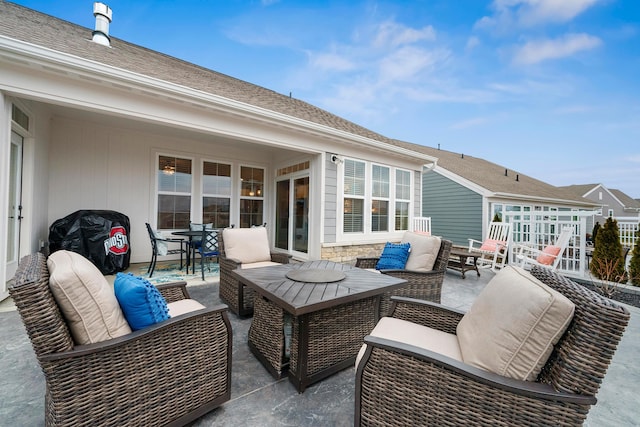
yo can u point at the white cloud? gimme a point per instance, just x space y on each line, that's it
392 34
330 62
535 12
472 42
408 62
540 50
528 13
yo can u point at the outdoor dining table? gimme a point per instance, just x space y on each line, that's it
191 234
317 313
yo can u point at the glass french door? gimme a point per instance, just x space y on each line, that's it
292 214
14 204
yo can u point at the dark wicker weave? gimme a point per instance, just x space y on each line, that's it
167 374
425 285
402 385
322 342
238 297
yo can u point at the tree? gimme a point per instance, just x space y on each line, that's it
496 217
607 263
634 264
594 232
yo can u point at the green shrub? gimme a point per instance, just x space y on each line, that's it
607 262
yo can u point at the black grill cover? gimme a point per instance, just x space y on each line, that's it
99 235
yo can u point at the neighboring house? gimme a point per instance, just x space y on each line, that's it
613 203
462 194
105 124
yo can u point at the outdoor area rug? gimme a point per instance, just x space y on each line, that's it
171 272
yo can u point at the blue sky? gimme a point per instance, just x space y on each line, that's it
549 88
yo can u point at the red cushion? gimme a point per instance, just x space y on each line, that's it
490 245
548 255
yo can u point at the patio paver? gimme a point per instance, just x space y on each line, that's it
277 403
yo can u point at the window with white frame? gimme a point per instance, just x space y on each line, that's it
354 192
403 199
251 196
379 198
216 194
376 198
174 179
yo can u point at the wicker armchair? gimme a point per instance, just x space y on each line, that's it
167 374
238 297
424 285
398 384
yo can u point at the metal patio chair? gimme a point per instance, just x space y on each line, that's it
159 247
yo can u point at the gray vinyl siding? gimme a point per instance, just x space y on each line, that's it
455 211
331 200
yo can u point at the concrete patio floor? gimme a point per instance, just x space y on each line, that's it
259 400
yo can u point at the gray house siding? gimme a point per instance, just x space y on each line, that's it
330 200
455 211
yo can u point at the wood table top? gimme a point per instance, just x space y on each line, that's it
305 297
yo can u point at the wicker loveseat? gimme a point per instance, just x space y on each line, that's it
402 384
249 249
169 373
425 285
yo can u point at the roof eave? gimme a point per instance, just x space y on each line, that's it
585 204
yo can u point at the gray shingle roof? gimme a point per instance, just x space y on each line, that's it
626 200
491 176
44 30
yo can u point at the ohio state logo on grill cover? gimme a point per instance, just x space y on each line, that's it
117 243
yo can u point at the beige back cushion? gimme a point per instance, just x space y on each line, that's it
424 251
85 298
247 245
512 326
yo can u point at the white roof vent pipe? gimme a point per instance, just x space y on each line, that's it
103 15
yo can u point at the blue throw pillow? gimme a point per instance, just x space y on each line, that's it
394 256
141 302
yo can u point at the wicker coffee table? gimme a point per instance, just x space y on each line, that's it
327 316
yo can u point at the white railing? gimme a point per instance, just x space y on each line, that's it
422 224
542 229
628 227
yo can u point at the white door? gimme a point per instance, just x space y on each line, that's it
14 209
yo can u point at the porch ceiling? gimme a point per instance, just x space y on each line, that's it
168 130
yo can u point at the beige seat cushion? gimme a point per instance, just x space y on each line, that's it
512 326
247 245
417 335
183 306
259 264
85 298
424 251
